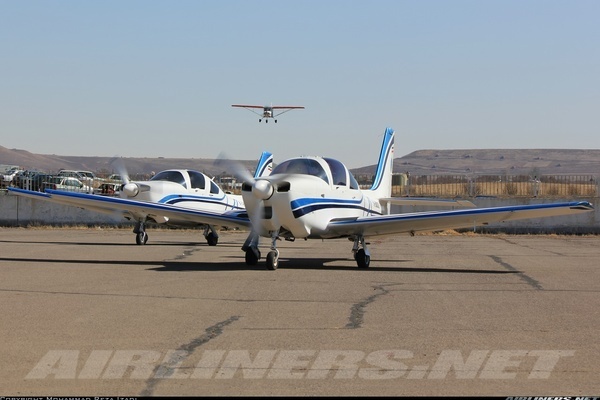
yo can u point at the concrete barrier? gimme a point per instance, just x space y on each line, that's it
22 211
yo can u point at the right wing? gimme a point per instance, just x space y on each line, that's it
454 219
111 205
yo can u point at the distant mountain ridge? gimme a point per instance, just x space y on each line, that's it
421 162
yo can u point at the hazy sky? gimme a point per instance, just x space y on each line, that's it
158 78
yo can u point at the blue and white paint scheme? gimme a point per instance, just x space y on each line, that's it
178 197
318 198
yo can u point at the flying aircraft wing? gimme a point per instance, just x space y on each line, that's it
111 205
286 107
452 219
247 106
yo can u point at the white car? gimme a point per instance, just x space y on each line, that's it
7 178
66 183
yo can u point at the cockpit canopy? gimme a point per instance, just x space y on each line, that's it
187 178
331 171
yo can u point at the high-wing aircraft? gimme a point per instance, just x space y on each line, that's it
268 111
318 198
177 197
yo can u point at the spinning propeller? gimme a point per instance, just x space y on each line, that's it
129 188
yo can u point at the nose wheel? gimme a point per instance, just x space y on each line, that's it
273 260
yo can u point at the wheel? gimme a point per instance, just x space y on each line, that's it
212 239
251 257
275 121
272 260
266 121
259 120
141 238
362 259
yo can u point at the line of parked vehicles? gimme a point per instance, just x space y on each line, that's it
68 180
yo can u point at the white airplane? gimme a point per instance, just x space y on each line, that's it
268 111
318 198
177 197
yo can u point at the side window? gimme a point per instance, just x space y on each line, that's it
353 182
338 171
197 180
214 189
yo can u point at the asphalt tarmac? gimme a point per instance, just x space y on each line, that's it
87 312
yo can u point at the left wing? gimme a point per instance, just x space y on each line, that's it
110 205
437 220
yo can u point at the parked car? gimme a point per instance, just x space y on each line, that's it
7 178
67 183
115 178
84 176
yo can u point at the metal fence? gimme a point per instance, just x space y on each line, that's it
506 186
443 186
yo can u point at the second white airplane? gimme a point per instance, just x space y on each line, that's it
176 197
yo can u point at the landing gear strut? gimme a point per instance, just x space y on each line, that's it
273 256
361 252
251 248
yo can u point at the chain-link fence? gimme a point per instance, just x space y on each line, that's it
505 186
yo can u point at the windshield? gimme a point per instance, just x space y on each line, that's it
304 166
170 176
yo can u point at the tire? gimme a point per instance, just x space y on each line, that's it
251 258
362 259
212 239
141 238
272 260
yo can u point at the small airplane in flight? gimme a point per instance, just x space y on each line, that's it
318 198
176 197
268 111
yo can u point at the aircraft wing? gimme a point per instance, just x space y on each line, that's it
111 205
425 201
452 219
286 107
246 106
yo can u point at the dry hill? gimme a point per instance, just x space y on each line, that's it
423 162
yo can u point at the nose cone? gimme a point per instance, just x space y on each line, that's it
262 189
131 189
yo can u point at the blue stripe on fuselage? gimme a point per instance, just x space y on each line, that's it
177 198
301 207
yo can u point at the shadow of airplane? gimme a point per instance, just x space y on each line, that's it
240 265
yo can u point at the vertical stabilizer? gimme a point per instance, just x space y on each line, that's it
265 165
382 182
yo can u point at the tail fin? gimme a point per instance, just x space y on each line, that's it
265 165
382 182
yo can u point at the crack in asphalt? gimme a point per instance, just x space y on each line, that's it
357 311
166 369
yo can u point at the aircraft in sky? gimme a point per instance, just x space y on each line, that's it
268 111
318 198
177 197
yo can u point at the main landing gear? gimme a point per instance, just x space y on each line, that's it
253 253
361 252
211 235
141 237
